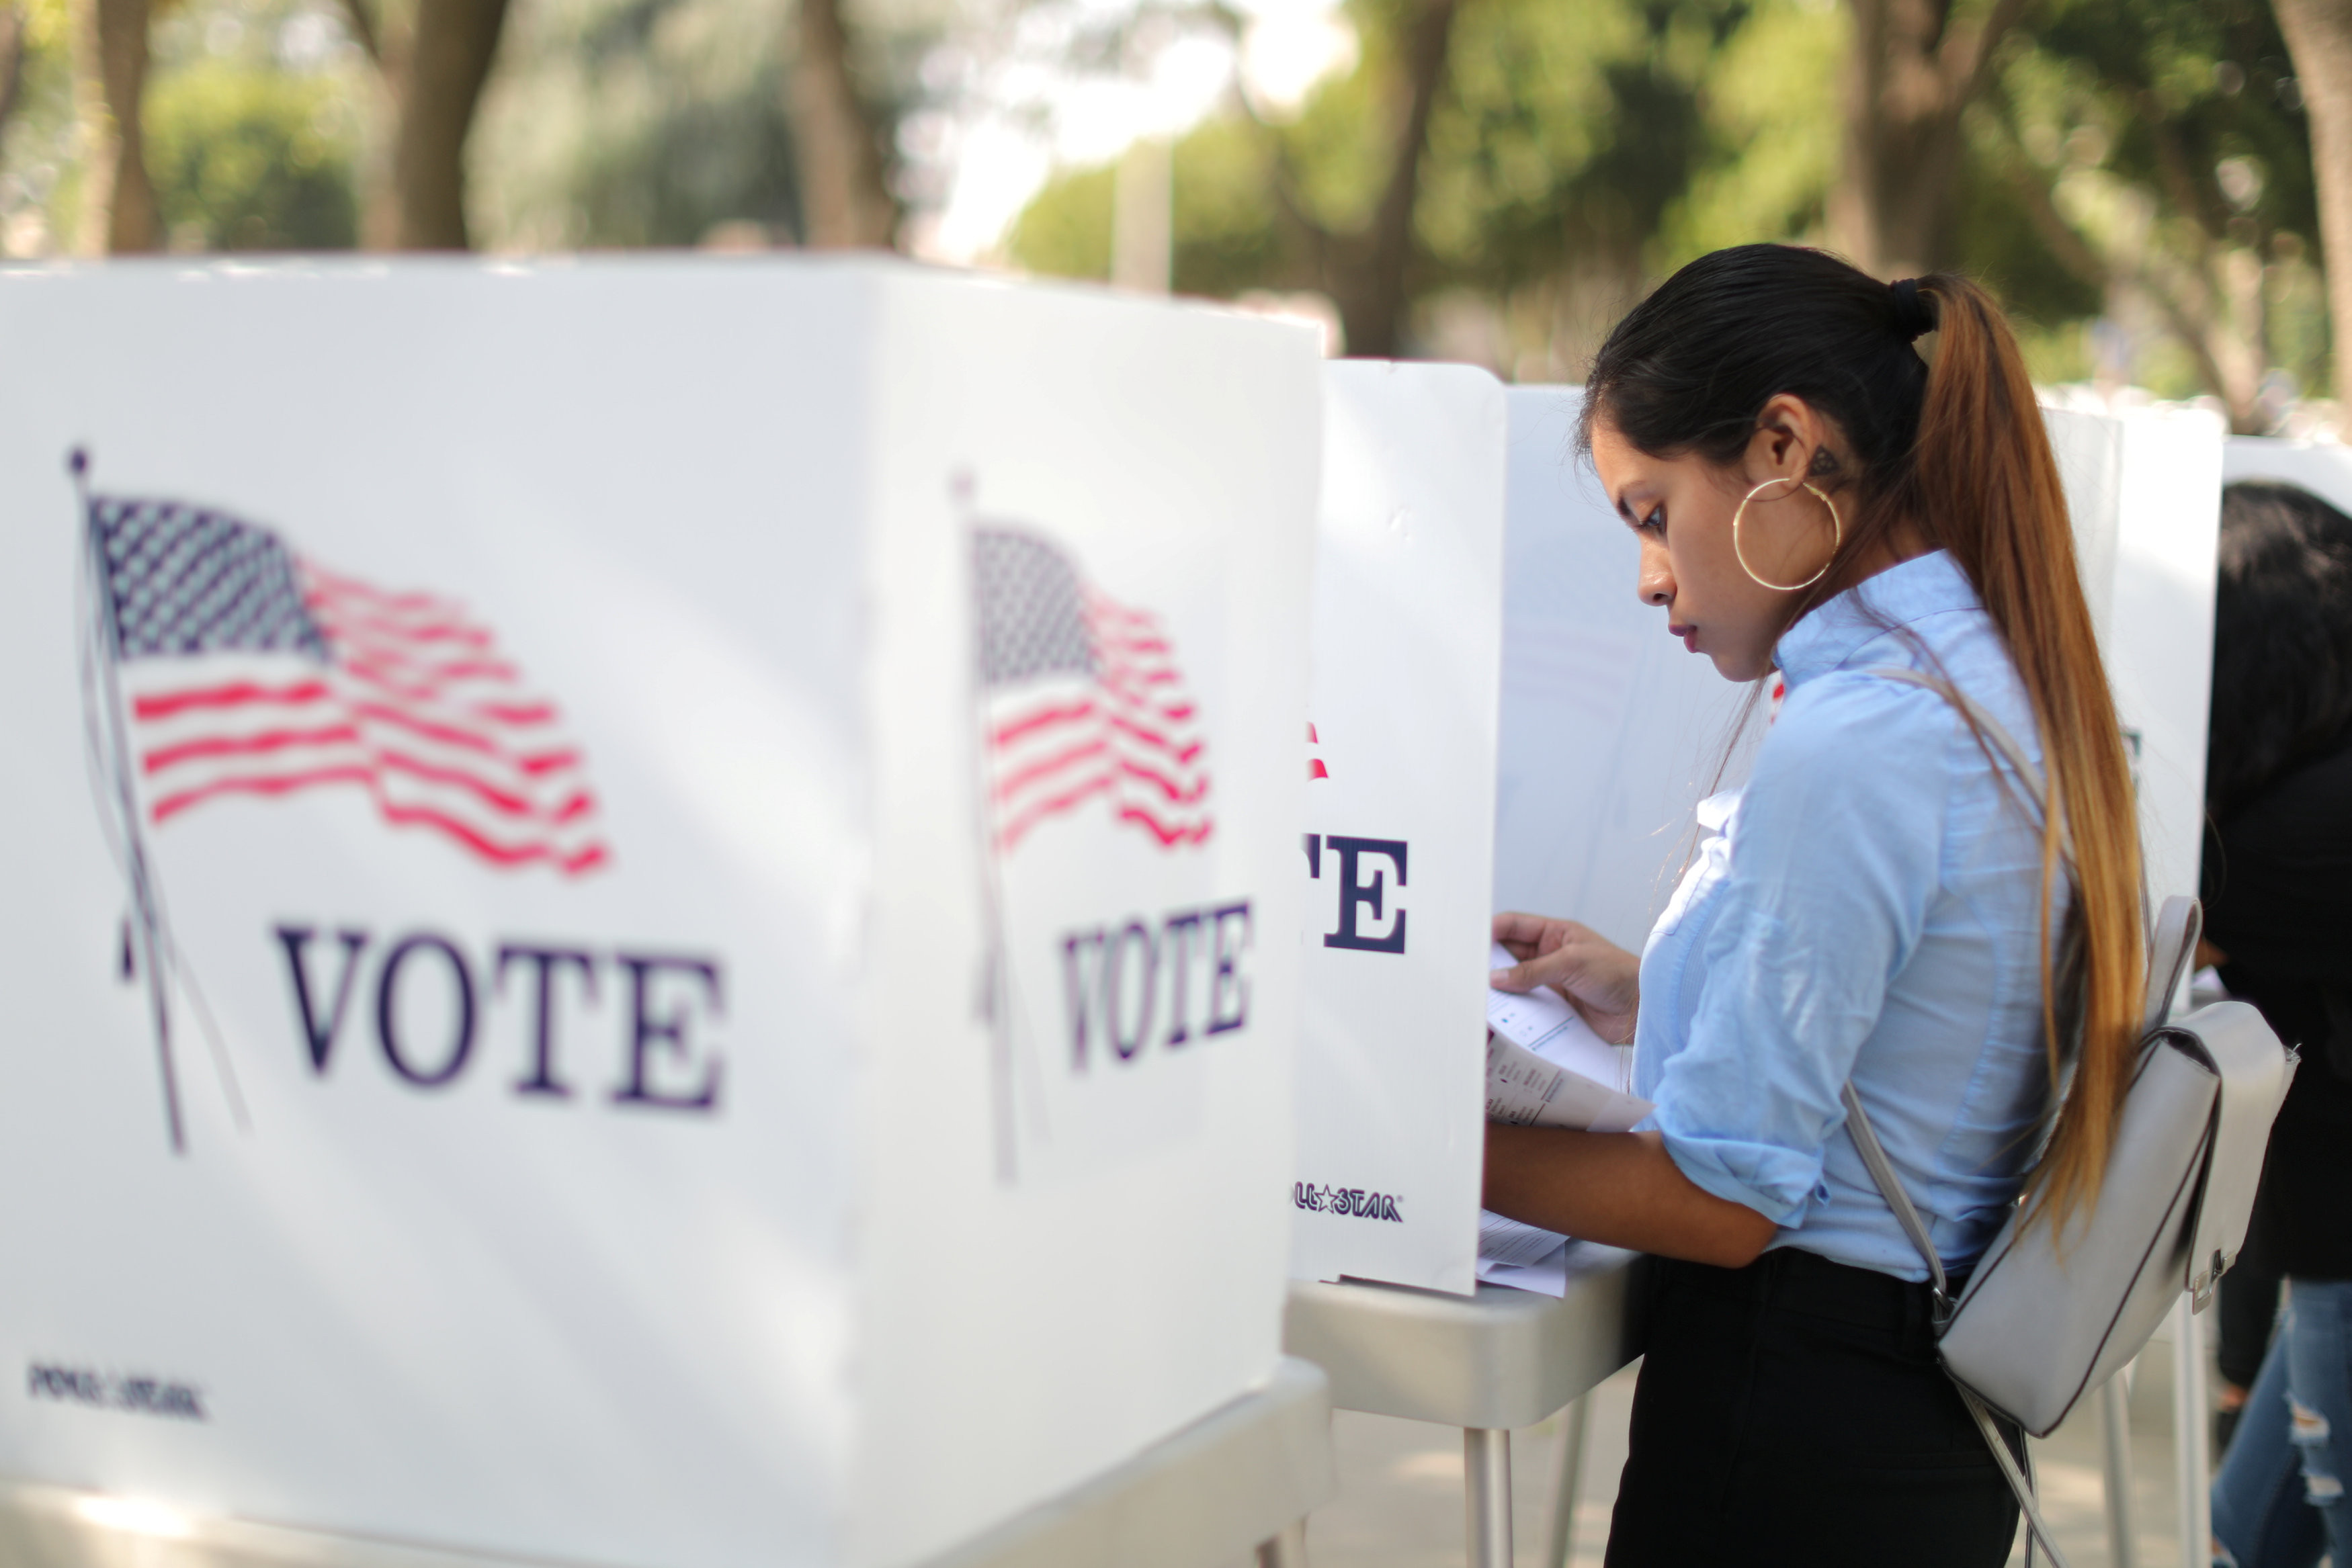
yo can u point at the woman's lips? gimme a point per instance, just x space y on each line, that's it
1689 634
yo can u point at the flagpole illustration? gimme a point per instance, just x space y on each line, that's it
103 639
995 1000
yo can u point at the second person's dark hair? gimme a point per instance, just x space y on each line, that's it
2282 639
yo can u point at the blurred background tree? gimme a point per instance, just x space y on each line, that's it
1913 70
1492 180
432 60
247 159
2319 34
2162 151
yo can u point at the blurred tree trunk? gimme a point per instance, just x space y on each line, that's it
431 66
846 202
1913 68
1368 274
1369 281
117 205
12 60
2319 36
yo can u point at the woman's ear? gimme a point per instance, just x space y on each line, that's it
1790 435
1783 445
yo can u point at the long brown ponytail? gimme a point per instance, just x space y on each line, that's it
1960 453
1984 485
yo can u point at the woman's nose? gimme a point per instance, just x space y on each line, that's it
1654 583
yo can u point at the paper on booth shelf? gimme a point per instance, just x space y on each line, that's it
1513 1243
1521 1256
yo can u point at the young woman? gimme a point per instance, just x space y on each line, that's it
1876 905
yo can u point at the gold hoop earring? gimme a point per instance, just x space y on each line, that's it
1837 536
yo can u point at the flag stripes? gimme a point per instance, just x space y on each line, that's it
247 671
1084 700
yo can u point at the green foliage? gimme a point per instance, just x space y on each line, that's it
2170 138
1565 130
1769 97
1524 160
1227 239
659 122
1064 231
251 158
636 122
2000 247
1225 217
2181 87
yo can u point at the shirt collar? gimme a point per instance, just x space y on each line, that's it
1833 633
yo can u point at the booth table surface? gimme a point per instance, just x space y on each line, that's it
1205 1496
1502 1359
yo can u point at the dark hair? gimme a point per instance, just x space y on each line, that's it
1959 453
1692 365
2282 639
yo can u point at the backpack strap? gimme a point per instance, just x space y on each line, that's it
1906 1214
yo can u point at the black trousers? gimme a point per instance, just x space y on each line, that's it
1792 1412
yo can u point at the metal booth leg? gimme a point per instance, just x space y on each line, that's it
1574 1422
1486 1469
2115 1422
2193 1419
1287 1550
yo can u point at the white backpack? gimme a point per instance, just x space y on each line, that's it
2045 1319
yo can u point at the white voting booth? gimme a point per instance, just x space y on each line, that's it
648 905
2145 487
1407 634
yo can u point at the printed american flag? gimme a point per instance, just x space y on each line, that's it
1082 701
244 669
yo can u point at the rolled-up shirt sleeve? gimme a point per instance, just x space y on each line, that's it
1835 861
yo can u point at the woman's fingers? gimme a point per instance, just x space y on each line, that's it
1561 966
1525 934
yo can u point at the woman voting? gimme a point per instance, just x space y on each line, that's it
1816 503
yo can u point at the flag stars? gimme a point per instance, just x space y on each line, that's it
185 582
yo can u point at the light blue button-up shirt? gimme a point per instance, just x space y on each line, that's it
1864 908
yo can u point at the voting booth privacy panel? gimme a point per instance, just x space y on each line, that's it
649 905
1407 636
1612 731
2144 487
2324 468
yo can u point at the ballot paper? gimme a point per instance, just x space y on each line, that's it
1545 1066
1521 1256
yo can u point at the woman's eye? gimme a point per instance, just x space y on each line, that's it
1655 523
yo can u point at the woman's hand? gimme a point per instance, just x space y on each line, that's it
1600 980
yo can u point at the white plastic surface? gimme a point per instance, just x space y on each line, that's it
2322 467
2145 489
721 516
1408 635
1612 731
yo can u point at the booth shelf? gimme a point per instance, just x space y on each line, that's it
1241 1477
1486 1363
